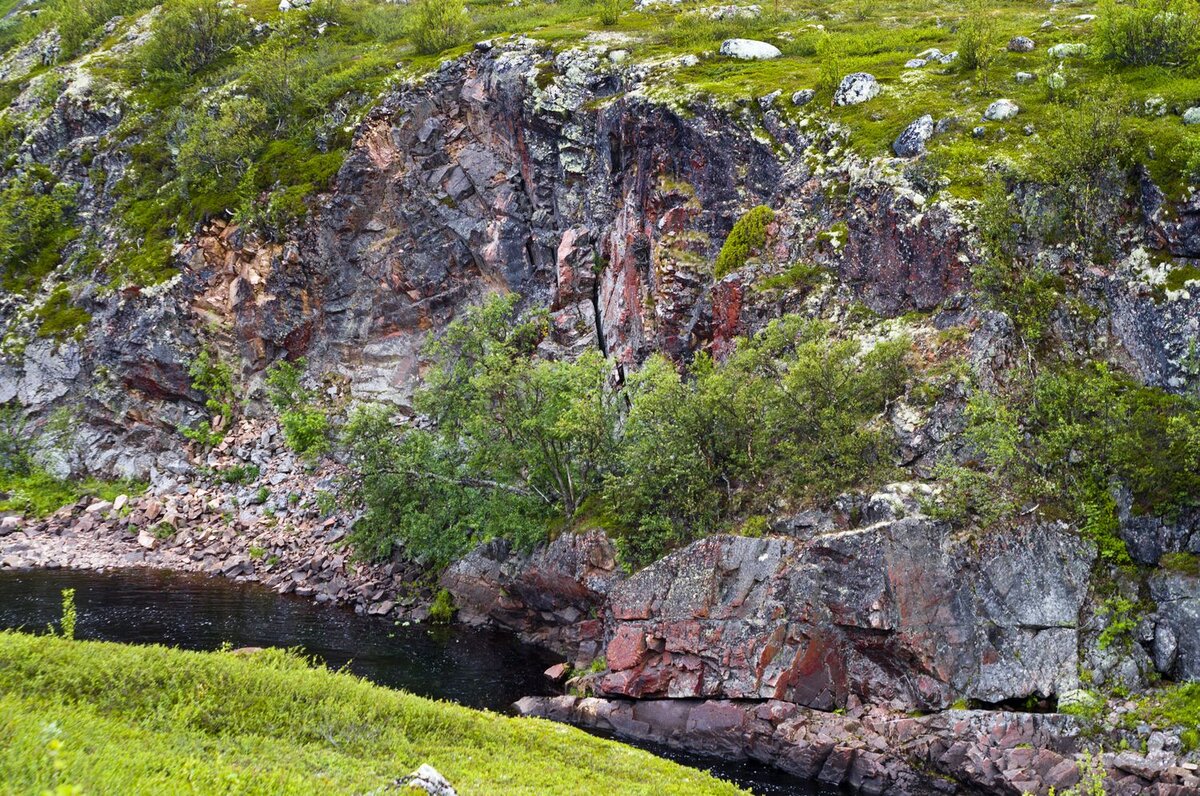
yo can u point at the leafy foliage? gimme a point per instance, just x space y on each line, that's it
521 443
305 424
35 224
1068 437
212 378
1149 32
518 441
978 38
190 35
789 415
1083 163
439 25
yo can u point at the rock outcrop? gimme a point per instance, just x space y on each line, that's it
880 752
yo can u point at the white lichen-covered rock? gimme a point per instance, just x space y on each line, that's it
856 88
1001 110
1067 50
650 5
911 142
767 101
1026 77
1192 115
803 96
288 5
749 50
430 780
915 63
1020 44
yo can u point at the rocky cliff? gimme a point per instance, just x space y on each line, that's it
561 175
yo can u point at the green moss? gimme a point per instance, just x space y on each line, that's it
1178 277
106 718
1185 563
749 235
59 319
800 275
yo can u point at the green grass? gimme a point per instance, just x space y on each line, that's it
109 718
39 493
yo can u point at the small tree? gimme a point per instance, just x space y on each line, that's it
191 34
977 38
439 25
1149 32
609 11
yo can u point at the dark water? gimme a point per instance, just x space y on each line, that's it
476 668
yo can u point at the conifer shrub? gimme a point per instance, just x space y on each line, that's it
749 234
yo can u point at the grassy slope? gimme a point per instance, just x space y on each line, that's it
110 718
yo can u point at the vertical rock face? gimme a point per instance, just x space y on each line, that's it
896 613
513 168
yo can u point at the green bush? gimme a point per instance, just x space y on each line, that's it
305 425
790 415
609 11
522 445
213 379
749 235
438 25
79 20
36 214
16 456
218 148
1083 164
519 444
1149 32
442 611
978 39
189 35
1063 440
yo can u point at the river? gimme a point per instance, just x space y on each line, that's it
476 668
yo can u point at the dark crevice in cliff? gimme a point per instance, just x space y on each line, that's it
599 321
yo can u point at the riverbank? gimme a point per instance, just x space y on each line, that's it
249 510
110 718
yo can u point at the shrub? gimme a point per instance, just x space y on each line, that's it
789 415
609 11
189 35
749 234
978 39
16 456
35 225
439 25
69 614
78 20
1149 32
1063 440
1083 165
219 146
213 379
442 611
305 425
